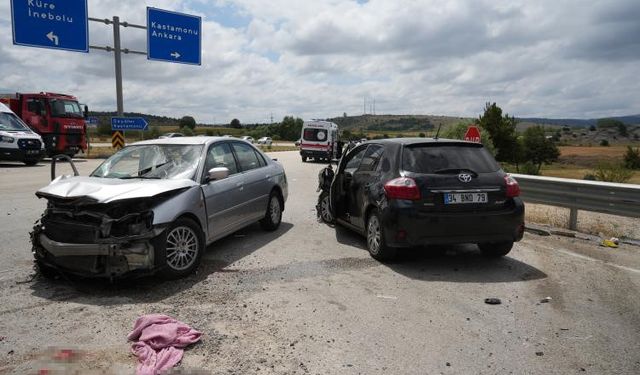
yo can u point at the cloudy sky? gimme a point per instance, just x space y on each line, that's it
321 58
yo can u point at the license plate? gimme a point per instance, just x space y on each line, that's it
460 198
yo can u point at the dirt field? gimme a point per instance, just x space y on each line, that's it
577 161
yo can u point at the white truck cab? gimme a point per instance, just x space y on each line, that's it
17 141
319 140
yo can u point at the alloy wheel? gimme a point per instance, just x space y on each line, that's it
373 234
182 248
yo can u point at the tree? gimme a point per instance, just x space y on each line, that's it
289 129
502 131
188 122
235 123
537 149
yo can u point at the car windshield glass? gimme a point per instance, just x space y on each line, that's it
424 158
315 135
11 122
152 162
65 108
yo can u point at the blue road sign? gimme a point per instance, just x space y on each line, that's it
93 121
173 37
128 123
54 24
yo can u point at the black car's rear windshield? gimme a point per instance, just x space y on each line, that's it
434 158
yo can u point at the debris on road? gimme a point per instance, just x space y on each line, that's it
545 300
539 354
159 341
492 301
612 242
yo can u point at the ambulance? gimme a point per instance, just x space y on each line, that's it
17 141
319 140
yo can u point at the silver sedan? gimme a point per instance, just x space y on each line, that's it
155 205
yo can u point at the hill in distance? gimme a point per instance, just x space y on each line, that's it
393 123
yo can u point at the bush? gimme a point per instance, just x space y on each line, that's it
604 142
421 135
610 172
632 158
589 177
209 132
529 168
186 131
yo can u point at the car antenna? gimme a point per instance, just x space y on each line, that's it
438 132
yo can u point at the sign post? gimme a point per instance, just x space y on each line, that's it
55 25
472 134
173 37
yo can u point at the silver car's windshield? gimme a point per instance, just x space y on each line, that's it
152 162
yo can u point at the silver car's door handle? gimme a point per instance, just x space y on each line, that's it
240 185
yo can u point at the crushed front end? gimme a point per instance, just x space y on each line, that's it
87 238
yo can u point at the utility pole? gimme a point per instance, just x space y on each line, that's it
364 105
374 106
117 53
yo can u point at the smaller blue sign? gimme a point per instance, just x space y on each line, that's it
129 123
51 24
173 37
93 121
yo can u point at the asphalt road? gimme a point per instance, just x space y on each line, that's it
309 299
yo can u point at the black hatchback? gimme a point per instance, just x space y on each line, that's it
408 192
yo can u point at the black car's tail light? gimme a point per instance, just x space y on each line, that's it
402 188
513 189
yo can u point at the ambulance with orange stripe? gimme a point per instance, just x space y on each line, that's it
319 140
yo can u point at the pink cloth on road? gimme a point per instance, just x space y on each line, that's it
159 342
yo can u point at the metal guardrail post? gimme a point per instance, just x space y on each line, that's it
573 210
573 218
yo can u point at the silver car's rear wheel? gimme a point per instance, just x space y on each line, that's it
182 250
273 216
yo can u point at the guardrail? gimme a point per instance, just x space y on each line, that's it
604 197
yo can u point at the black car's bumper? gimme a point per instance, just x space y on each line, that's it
406 227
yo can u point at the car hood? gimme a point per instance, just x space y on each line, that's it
21 134
105 190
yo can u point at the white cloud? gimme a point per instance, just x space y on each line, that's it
319 59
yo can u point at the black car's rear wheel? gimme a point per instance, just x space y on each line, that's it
376 243
183 245
496 249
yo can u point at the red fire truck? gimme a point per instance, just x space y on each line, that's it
58 118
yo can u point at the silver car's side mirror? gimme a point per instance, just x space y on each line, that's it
219 173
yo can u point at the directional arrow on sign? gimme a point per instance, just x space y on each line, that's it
53 37
53 25
175 55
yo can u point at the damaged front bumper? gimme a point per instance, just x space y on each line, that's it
97 240
110 257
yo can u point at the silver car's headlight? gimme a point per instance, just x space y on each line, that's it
6 139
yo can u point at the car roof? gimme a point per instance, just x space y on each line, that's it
416 140
182 141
